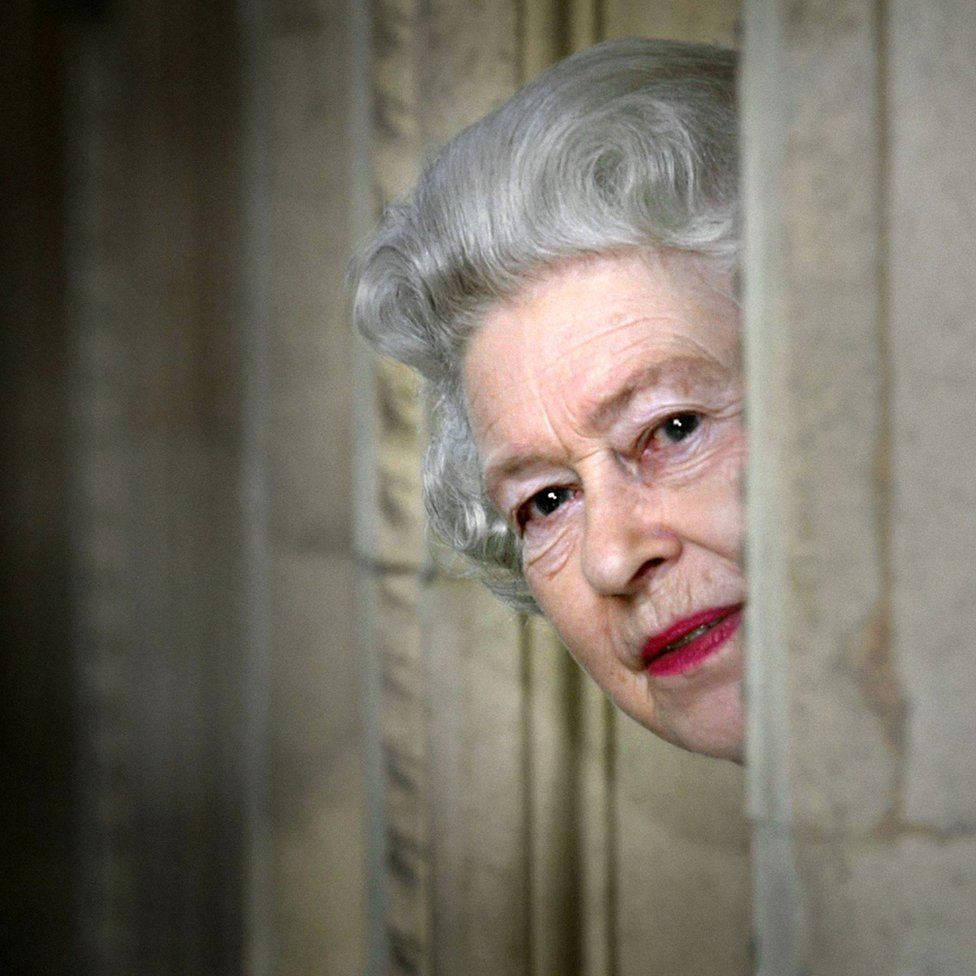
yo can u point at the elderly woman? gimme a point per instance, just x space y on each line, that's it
562 278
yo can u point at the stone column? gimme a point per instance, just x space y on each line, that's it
307 889
222 778
859 136
156 305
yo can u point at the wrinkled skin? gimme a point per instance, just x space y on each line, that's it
613 387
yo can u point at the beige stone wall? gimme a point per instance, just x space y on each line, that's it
314 835
859 135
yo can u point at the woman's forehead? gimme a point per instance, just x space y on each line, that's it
592 324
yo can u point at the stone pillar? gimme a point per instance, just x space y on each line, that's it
859 136
315 836
156 393
215 580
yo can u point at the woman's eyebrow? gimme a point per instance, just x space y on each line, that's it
506 465
688 371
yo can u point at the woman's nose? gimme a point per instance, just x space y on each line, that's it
629 535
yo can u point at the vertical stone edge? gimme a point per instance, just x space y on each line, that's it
100 592
555 765
389 524
364 206
259 935
779 912
393 532
481 908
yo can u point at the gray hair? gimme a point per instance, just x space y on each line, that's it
629 144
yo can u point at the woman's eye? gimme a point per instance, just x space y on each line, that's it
678 427
544 503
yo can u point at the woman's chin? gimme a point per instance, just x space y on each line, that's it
712 725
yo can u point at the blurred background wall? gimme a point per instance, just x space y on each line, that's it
182 706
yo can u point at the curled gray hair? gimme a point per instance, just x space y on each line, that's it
627 144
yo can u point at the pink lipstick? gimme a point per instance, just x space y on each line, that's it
689 642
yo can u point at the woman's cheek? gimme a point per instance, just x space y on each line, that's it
545 560
723 497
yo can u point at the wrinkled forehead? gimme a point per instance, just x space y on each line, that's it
587 321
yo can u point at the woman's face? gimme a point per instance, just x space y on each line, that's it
607 403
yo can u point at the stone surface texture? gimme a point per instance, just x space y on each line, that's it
716 22
213 489
860 335
155 238
315 841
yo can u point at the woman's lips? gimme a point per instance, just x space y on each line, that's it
687 643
